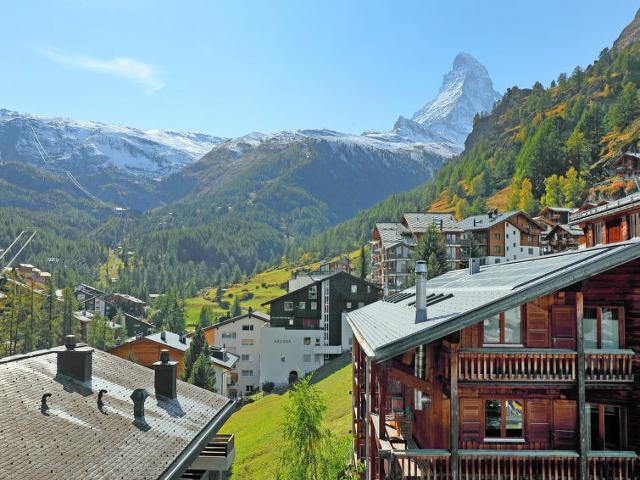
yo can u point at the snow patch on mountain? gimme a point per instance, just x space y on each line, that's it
94 145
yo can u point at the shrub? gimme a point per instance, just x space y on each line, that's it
267 387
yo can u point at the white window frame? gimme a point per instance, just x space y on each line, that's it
288 306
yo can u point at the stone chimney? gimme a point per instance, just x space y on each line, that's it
165 376
75 361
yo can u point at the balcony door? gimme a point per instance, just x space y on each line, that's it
603 328
607 427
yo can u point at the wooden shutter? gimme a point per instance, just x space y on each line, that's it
563 326
471 422
537 326
564 424
538 423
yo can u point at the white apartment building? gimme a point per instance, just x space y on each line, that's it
241 336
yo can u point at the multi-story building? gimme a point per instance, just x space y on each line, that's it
609 222
502 237
625 166
308 326
495 237
241 335
391 247
447 225
556 235
85 413
518 370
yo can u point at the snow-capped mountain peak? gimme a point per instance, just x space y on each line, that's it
466 89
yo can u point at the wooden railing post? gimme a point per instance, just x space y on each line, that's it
582 404
454 412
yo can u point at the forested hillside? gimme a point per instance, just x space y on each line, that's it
540 145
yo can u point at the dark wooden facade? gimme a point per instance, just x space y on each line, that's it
557 402
617 225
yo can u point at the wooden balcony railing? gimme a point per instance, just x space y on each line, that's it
608 365
509 464
516 364
543 365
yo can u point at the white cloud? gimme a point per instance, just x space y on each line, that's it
124 67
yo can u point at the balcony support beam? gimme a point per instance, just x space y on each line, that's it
453 412
582 404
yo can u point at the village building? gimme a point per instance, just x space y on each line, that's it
522 369
625 166
391 247
449 228
609 222
556 234
146 351
308 326
241 336
73 411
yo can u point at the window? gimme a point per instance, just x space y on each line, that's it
601 327
313 292
354 288
360 304
531 251
288 306
348 305
503 419
248 388
504 328
350 341
246 358
634 225
506 236
247 328
246 373
228 334
291 322
317 341
283 359
496 249
606 427
247 341
307 340
318 358
368 288
497 236
302 305
314 305
306 358
597 233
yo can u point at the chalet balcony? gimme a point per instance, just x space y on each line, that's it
218 455
508 464
543 365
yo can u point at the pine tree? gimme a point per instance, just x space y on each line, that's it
431 248
236 309
553 196
202 373
69 322
205 319
363 263
197 347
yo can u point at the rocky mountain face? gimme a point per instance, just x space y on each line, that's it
72 145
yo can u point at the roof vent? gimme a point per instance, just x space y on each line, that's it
43 403
100 401
474 266
74 361
421 291
139 396
216 352
183 338
163 336
165 376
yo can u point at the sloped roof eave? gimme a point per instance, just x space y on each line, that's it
517 297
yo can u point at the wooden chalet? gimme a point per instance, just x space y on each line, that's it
521 370
609 222
625 166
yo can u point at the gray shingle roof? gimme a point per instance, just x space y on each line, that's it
171 340
392 234
481 222
76 440
387 329
419 222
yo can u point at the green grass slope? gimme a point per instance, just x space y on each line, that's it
257 425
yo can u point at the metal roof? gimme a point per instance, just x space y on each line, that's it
616 206
419 222
254 314
386 329
392 234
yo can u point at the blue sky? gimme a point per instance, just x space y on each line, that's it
228 68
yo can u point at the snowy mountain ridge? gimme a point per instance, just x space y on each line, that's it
72 144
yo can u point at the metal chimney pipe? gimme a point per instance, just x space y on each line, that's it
419 372
421 291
